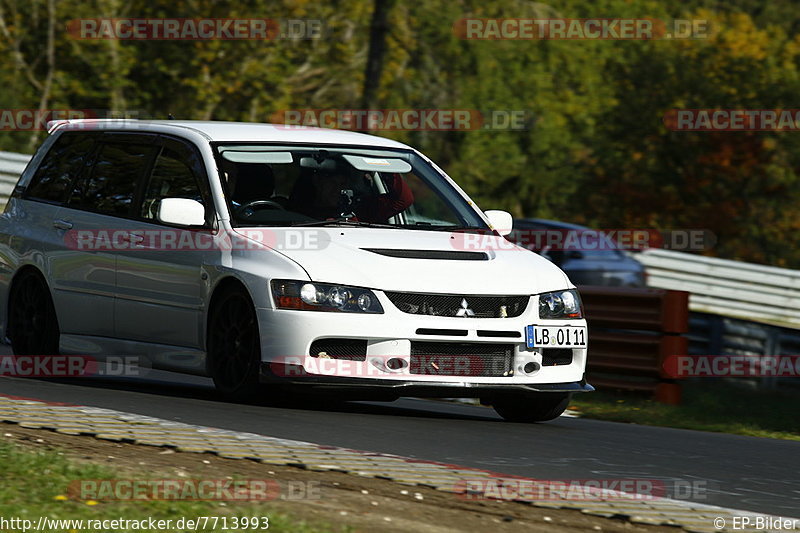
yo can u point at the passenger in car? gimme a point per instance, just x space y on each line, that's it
326 194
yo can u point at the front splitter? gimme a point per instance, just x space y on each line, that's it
296 377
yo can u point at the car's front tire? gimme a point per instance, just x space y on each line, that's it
539 407
32 321
234 345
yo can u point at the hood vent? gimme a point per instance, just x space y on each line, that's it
430 254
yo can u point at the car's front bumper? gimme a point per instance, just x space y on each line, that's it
287 337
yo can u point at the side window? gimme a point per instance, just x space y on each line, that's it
111 186
61 164
172 177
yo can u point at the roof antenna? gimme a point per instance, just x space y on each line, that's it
170 117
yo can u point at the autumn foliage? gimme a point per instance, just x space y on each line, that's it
595 148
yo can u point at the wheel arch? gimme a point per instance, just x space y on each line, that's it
226 283
222 286
23 270
21 273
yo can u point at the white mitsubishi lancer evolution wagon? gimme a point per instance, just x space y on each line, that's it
281 258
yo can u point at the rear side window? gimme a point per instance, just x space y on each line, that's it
61 164
111 186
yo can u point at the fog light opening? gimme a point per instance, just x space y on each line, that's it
531 367
396 363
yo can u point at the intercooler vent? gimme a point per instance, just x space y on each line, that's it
556 356
347 349
462 359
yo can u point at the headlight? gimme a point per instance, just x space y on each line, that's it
560 304
308 296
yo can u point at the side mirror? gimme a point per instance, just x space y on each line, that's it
501 221
181 212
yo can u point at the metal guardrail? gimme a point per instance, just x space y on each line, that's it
11 166
711 334
729 288
719 335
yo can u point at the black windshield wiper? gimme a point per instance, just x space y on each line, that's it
444 227
344 222
426 226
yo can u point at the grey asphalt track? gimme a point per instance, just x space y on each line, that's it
732 471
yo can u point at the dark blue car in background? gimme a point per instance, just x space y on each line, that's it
594 265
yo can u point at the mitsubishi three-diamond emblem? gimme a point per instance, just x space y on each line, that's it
465 311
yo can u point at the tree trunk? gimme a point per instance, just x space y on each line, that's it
378 29
47 85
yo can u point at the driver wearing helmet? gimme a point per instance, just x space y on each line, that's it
334 194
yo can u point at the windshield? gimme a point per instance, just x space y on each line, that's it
313 185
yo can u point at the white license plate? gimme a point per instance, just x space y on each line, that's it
555 336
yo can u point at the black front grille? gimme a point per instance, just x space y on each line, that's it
556 356
417 303
461 359
348 349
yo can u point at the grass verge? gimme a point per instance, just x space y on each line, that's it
717 407
35 483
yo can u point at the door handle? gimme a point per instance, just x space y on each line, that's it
62 224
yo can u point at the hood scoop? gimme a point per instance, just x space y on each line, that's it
446 255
